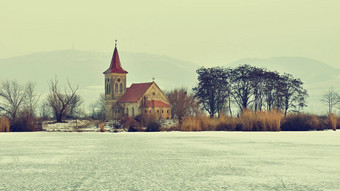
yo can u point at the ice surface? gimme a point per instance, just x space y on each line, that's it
170 161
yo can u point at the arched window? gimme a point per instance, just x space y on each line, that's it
107 86
133 112
127 111
116 88
121 88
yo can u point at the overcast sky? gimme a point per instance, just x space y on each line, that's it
213 32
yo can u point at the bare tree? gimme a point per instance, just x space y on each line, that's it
31 100
98 108
331 98
62 102
45 110
12 96
74 111
183 103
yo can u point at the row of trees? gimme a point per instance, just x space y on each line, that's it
247 87
20 103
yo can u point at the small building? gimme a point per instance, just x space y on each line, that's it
139 98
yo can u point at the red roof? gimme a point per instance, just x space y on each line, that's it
115 66
135 92
155 103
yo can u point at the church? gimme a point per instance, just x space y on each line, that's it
139 98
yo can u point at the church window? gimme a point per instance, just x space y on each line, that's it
162 111
167 111
107 86
133 112
121 88
116 87
145 111
157 111
153 93
127 111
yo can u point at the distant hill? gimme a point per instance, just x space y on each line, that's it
86 68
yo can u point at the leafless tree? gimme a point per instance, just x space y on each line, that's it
62 102
98 108
12 96
183 103
31 100
74 110
331 98
45 110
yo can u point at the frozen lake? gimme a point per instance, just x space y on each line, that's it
170 161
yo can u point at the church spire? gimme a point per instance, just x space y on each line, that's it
115 66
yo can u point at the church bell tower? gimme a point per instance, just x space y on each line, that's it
115 87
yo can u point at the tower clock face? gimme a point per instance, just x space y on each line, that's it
118 79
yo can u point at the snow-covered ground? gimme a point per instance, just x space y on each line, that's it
170 161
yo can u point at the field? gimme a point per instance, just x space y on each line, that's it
170 161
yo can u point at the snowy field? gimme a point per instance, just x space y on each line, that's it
170 161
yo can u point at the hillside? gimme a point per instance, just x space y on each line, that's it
85 68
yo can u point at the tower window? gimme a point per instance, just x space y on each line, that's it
116 87
107 86
121 88
133 112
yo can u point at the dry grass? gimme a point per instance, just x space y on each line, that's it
260 121
332 121
4 124
249 121
191 124
227 124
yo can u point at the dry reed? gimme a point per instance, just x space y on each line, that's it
4 124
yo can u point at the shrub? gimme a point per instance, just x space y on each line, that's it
132 125
101 126
300 122
26 122
153 126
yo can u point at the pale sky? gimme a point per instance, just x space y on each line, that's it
213 32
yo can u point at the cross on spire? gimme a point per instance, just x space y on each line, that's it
116 43
153 79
